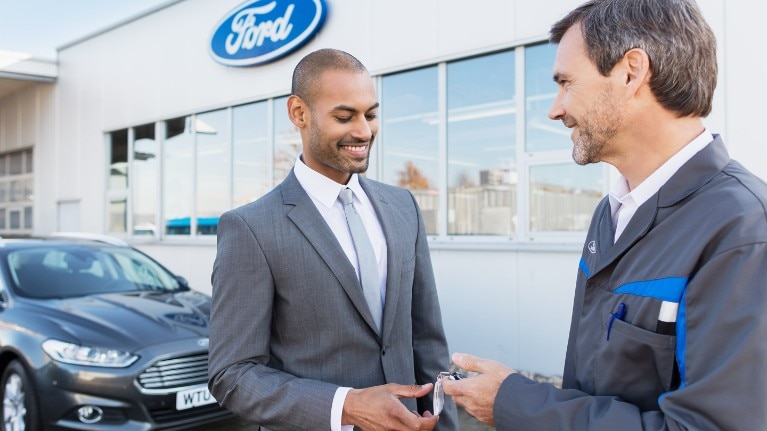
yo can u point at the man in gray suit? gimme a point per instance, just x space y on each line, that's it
297 340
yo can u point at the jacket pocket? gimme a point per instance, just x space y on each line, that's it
636 365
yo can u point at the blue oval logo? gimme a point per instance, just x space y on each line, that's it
261 31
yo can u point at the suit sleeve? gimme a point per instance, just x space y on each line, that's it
721 354
240 330
430 350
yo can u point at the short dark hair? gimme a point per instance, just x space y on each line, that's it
680 44
316 63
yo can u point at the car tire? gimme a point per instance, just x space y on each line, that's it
20 412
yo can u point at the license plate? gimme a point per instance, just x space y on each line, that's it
194 397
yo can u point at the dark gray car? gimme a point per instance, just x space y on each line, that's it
99 336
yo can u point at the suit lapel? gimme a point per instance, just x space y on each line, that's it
389 220
309 221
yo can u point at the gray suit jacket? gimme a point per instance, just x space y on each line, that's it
289 320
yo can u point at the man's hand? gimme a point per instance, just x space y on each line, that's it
476 394
379 408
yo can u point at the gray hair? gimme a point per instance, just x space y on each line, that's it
309 69
680 44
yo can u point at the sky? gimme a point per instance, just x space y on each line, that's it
38 27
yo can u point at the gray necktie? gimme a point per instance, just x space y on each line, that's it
366 258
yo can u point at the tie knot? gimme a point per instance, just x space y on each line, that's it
346 196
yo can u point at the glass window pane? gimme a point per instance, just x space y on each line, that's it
251 153
4 191
15 163
29 161
118 216
212 132
287 141
28 196
15 219
28 218
481 145
178 163
145 175
563 196
3 166
118 166
542 134
409 107
2 218
17 191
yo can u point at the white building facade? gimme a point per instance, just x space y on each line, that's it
144 135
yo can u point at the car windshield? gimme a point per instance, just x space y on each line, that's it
63 271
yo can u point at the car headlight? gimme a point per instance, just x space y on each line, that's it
86 355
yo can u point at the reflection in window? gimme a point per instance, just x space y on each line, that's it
542 134
16 163
563 196
145 176
16 192
481 147
118 166
411 138
118 222
15 219
287 141
251 153
212 176
178 179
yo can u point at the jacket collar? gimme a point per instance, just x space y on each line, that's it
693 175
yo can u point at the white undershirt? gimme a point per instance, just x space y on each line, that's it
324 193
624 202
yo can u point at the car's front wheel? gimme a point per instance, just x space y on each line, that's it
19 400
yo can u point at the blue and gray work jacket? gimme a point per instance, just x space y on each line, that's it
700 246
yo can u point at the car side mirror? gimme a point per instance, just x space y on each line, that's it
182 281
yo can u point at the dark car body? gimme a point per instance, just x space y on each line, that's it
100 336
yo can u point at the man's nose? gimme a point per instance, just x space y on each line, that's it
556 112
363 130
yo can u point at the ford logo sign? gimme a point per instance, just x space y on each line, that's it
261 31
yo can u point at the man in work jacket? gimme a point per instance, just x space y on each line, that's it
667 330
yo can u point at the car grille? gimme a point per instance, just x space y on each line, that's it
168 415
174 373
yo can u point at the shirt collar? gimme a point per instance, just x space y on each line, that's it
620 193
321 188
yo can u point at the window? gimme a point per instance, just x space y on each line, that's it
178 176
251 153
16 193
145 180
410 120
212 169
481 146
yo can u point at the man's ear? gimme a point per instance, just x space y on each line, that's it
636 64
298 111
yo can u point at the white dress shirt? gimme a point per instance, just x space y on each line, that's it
324 193
624 202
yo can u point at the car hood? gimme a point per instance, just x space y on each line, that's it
127 320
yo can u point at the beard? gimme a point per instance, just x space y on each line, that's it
332 156
598 125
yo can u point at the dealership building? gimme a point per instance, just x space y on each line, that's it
150 129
